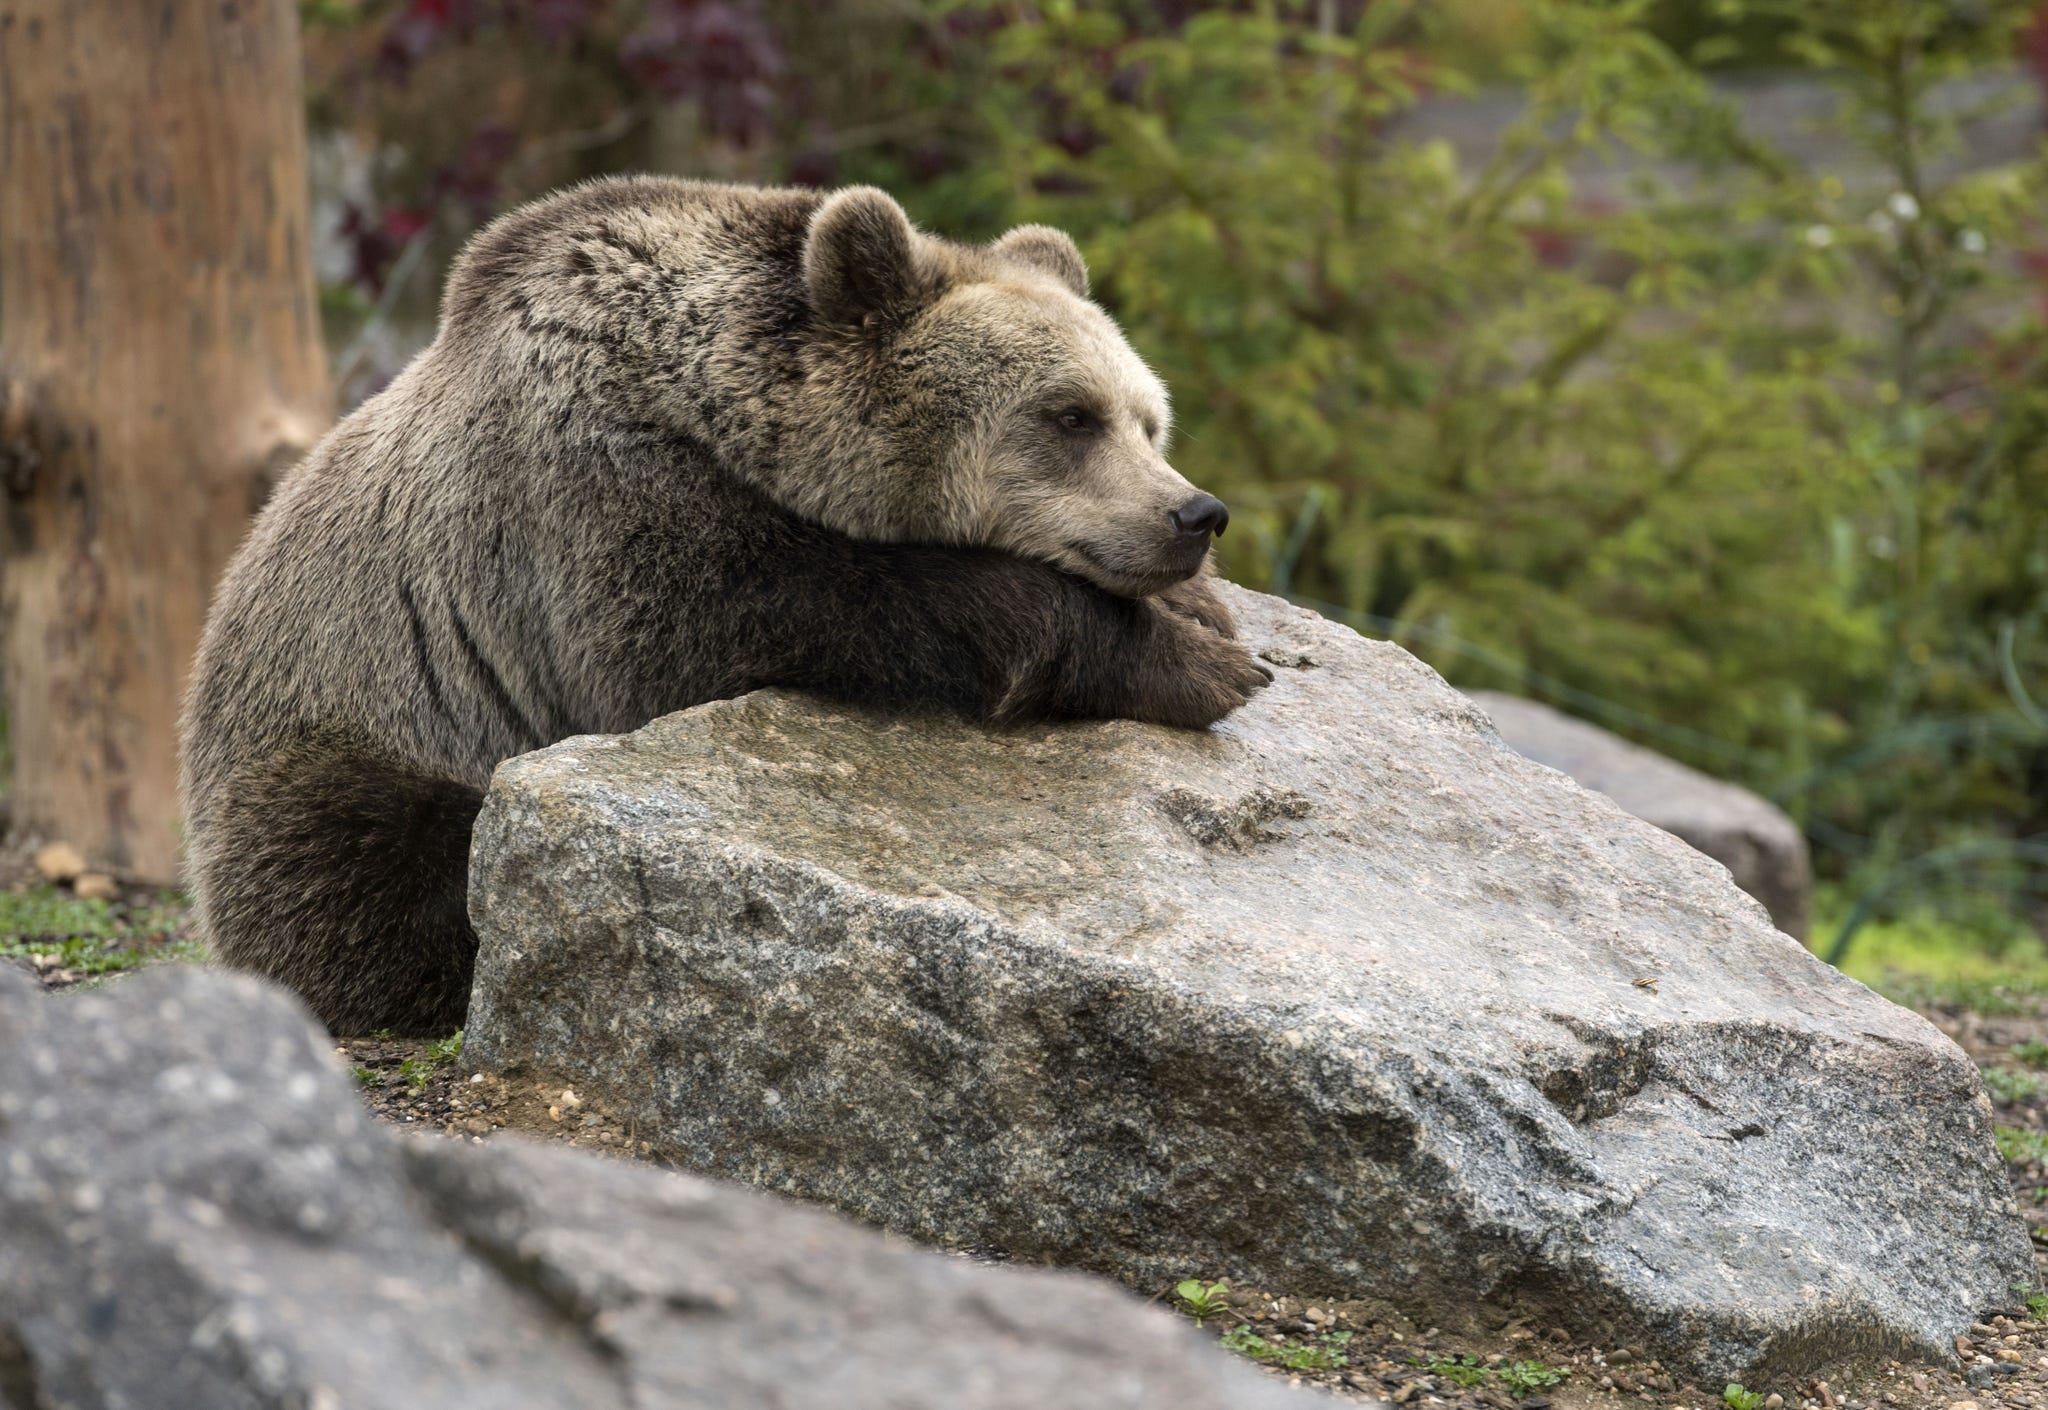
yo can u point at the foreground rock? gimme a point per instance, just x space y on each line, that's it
1344 997
195 1211
1761 847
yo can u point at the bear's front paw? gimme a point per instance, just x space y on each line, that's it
1191 676
1197 598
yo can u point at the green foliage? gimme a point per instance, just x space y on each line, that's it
417 1071
1938 954
1519 1378
2006 1086
87 936
1325 1353
2021 1145
1463 1371
1743 458
1736 1398
1202 1300
1523 1378
2033 1052
366 1076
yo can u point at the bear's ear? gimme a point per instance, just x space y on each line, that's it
1049 251
860 258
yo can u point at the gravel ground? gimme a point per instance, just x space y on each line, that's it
1355 1350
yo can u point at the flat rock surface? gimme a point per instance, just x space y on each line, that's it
1754 838
1344 996
196 1211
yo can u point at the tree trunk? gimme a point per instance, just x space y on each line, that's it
160 363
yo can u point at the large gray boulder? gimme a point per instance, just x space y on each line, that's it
197 1214
1345 996
1761 846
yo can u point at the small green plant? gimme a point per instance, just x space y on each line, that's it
2033 1052
418 1071
1201 1300
1325 1353
2036 1302
1736 1398
2021 1145
366 1076
1462 1371
2008 1086
1523 1378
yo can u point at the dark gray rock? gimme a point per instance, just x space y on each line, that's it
197 1214
1761 847
1345 996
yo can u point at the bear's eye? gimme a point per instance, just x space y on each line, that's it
1076 421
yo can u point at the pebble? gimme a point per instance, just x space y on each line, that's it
1777 1397
95 886
1620 1356
59 861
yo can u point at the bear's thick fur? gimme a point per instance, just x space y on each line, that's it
673 443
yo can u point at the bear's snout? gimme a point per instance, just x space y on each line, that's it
1200 517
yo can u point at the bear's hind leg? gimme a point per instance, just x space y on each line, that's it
345 878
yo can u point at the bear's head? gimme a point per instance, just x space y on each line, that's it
880 381
974 395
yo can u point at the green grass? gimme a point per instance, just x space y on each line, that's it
2008 1086
1927 959
2020 1144
90 937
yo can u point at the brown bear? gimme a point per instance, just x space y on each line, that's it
675 442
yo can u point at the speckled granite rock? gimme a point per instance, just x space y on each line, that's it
1762 848
196 1213
1343 996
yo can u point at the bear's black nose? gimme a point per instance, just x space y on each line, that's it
1203 515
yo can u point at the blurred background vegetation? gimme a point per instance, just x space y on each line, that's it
1681 364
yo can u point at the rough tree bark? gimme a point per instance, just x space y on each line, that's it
160 362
